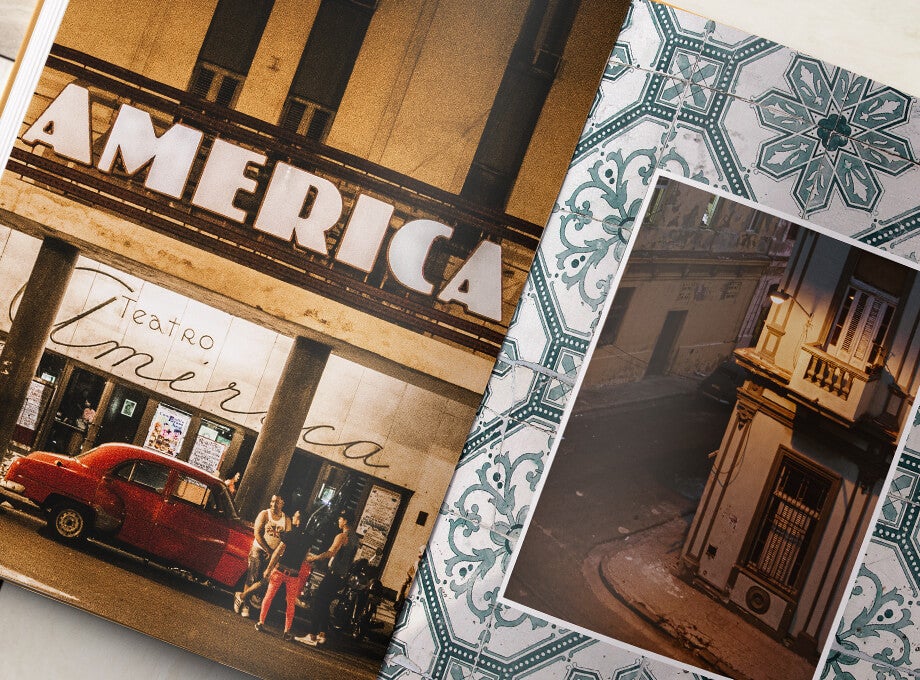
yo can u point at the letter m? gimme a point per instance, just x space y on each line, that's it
170 156
113 346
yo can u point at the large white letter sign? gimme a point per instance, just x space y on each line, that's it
364 233
223 176
282 208
64 125
409 249
133 137
478 284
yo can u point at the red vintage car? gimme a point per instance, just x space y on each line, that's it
156 504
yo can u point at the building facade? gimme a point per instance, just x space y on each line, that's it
793 487
693 288
285 238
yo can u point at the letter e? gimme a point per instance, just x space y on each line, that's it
223 177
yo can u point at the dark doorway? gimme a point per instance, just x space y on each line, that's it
75 413
664 347
299 482
122 416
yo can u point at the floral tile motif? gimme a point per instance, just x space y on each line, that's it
601 178
451 602
658 38
877 623
842 666
494 489
854 137
726 150
586 238
468 566
484 443
888 225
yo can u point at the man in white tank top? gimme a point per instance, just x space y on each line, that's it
267 534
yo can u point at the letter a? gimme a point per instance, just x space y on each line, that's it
64 125
478 284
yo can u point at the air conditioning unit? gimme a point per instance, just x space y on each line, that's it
765 605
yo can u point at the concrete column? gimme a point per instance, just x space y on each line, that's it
31 328
282 426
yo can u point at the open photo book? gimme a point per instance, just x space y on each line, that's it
434 340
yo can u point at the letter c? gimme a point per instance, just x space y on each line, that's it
409 249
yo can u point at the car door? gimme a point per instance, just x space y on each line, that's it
139 486
190 530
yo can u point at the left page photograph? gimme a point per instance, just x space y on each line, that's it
257 259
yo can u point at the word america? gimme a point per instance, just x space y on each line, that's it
284 211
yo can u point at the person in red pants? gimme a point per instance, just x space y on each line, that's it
288 566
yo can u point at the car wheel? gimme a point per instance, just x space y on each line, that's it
68 522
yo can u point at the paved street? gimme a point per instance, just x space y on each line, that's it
169 606
618 472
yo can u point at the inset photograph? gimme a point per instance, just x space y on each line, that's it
723 461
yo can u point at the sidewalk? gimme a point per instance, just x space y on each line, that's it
640 571
598 397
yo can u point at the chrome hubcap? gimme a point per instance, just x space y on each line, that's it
69 523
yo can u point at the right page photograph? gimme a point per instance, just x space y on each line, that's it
723 459
696 456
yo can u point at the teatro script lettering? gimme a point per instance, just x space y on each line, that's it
117 354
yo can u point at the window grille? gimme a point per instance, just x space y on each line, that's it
792 515
215 84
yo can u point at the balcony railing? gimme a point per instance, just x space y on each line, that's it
830 375
833 384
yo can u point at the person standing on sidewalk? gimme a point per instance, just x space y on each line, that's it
340 555
267 534
288 566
